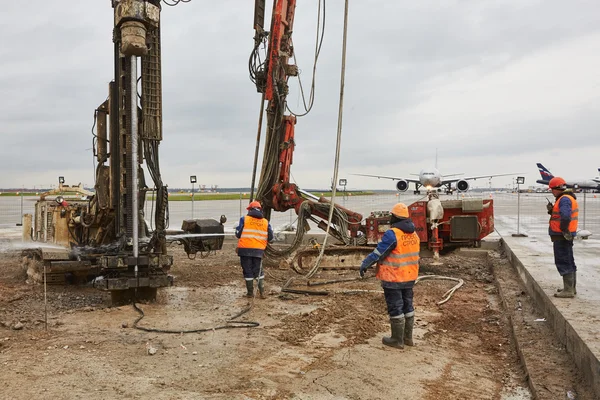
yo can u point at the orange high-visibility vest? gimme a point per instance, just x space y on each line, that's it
254 234
402 264
555 217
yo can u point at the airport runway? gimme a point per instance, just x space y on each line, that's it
532 218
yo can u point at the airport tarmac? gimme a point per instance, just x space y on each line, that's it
531 218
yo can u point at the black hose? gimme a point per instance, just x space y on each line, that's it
240 324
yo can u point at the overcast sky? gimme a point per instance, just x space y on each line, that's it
496 86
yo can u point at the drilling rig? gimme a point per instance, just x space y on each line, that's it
105 233
275 191
439 223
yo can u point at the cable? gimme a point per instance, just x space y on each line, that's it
337 145
450 292
318 45
173 3
229 322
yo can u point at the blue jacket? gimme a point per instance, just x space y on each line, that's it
256 213
385 246
564 207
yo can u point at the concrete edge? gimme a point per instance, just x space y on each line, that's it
530 382
587 363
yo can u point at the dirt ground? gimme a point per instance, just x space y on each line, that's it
305 347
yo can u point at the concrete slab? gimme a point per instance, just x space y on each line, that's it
575 321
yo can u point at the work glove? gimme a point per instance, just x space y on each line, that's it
568 235
363 268
549 207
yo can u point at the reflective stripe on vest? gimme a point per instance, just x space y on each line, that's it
254 234
402 264
555 217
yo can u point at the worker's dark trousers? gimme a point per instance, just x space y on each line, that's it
399 302
563 257
251 267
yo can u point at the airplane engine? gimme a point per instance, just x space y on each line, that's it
462 185
402 185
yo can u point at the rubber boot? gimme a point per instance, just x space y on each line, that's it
261 288
569 284
408 330
574 284
397 338
250 288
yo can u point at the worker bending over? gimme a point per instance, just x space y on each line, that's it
253 232
397 258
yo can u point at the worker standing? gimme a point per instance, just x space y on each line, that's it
253 232
397 258
564 214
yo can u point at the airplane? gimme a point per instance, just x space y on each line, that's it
432 178
597 179
593 183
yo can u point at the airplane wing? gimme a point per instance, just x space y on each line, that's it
390 177
471 178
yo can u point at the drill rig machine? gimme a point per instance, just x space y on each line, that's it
275 191
439 223
105 233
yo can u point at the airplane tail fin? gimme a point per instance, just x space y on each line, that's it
544 172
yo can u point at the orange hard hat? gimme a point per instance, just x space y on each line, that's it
254 204
557 183
400 210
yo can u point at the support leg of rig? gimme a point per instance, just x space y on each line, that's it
436 245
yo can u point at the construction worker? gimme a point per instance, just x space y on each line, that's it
253 232
397 258
563 227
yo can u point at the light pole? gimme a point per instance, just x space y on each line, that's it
343 183
192 181
520 181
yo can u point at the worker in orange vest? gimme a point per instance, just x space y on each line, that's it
397 258
253 232
564 214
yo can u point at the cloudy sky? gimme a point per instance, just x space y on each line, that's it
495 86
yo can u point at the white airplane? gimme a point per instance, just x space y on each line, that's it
432 178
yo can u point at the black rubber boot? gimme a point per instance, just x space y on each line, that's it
261 288
569 286
250 288
408 331
397 338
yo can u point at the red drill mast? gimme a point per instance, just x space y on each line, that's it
275 190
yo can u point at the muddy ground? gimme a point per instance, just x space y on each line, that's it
304 347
